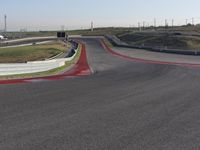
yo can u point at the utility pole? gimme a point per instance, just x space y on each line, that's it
186 22
139 26
148 25
143 24
5 21
62 28
172 23
92 26
166 24
155 22
192 21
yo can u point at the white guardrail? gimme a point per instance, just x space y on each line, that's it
33 67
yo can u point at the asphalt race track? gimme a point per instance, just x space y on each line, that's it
124 105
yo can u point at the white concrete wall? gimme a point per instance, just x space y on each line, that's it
32 67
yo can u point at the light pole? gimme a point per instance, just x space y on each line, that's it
154 22
92 26
172 23
5 21
139 26
192 21
143 24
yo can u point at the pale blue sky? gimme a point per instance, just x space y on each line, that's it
73 14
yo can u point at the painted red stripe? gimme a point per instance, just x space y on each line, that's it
81 68
105 46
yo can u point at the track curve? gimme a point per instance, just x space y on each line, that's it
123 105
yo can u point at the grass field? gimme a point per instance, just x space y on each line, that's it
31 53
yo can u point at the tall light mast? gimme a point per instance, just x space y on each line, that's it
5 21
92 26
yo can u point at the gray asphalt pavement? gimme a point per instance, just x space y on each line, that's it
123 106
157 56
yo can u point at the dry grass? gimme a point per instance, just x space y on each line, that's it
31 53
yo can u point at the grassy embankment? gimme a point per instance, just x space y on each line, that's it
183 41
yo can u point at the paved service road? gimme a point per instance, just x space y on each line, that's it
158 56
123 106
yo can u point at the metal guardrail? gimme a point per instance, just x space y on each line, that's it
35 66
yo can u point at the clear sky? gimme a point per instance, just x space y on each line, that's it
74 14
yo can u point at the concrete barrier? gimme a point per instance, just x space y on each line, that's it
33 67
